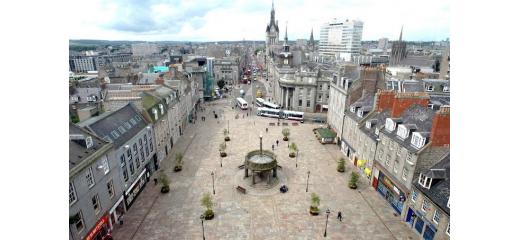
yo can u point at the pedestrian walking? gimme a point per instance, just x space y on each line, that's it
277 142
247 114
266 129
339 216
273 147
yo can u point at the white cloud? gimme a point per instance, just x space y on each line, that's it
199 20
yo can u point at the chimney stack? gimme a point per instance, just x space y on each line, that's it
440 133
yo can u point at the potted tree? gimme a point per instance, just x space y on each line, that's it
222 149
178 162
293 149
226 133
315 202
341 165
165 182
285 133
354 176
207 202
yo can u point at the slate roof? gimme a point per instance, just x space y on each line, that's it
378 120
439 191
118 126
366 103
416 114
77 152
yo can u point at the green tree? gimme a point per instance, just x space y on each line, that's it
341 165
354 176
286 132
221 83
207 202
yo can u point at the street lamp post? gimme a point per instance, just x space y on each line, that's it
260 144
220 161
308 174
202 223
326 222
228 126
213 180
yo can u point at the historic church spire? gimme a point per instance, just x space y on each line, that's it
401 34
285 38
311 40
272 14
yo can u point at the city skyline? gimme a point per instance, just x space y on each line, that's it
234 20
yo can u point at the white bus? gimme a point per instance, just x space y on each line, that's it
260 102
293 115
271 105
268 112
241 103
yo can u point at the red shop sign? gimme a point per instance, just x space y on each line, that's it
97 228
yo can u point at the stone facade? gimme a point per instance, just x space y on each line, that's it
226 69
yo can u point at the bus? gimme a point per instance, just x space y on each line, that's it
271 105
293 115
268 112
260 102
241 103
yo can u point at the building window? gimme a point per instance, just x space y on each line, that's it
429 88
121 130
135 149
414 196
402 132
95 204
90 177
131 165
106 167
425 181
352 109
417 140
409 157
308 103
300 103
147 151
405 173
448 229
125 174
387 161
389 125
142 155
368 124
446 89
129 155
425 205
151 145
436 216
72 194
79 224
110 188
396 165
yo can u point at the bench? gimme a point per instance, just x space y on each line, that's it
272 124
241 189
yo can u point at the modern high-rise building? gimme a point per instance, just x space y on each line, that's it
341 39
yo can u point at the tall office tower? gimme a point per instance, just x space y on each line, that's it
341 39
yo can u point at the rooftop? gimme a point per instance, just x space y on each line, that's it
439 191
78 152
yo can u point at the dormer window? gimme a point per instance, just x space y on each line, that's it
424 181
161 108
446 89
389 125
430 88
402 132
88 142
353 109
360 113
377 131
154 111
368 124
430 106
418 141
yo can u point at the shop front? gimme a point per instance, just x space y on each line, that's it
100 231
116 211
361 164
347 150
392 194
136 188
420 224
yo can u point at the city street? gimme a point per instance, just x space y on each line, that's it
258 214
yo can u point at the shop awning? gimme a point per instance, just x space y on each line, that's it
361 162
368 172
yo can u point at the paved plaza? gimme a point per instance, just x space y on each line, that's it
257 214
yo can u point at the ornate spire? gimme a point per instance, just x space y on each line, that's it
272 15
285 38
401 34
312 37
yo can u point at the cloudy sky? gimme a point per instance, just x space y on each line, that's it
226 20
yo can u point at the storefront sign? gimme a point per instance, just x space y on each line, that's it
97 228
135 189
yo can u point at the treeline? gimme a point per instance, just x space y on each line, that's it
80 48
